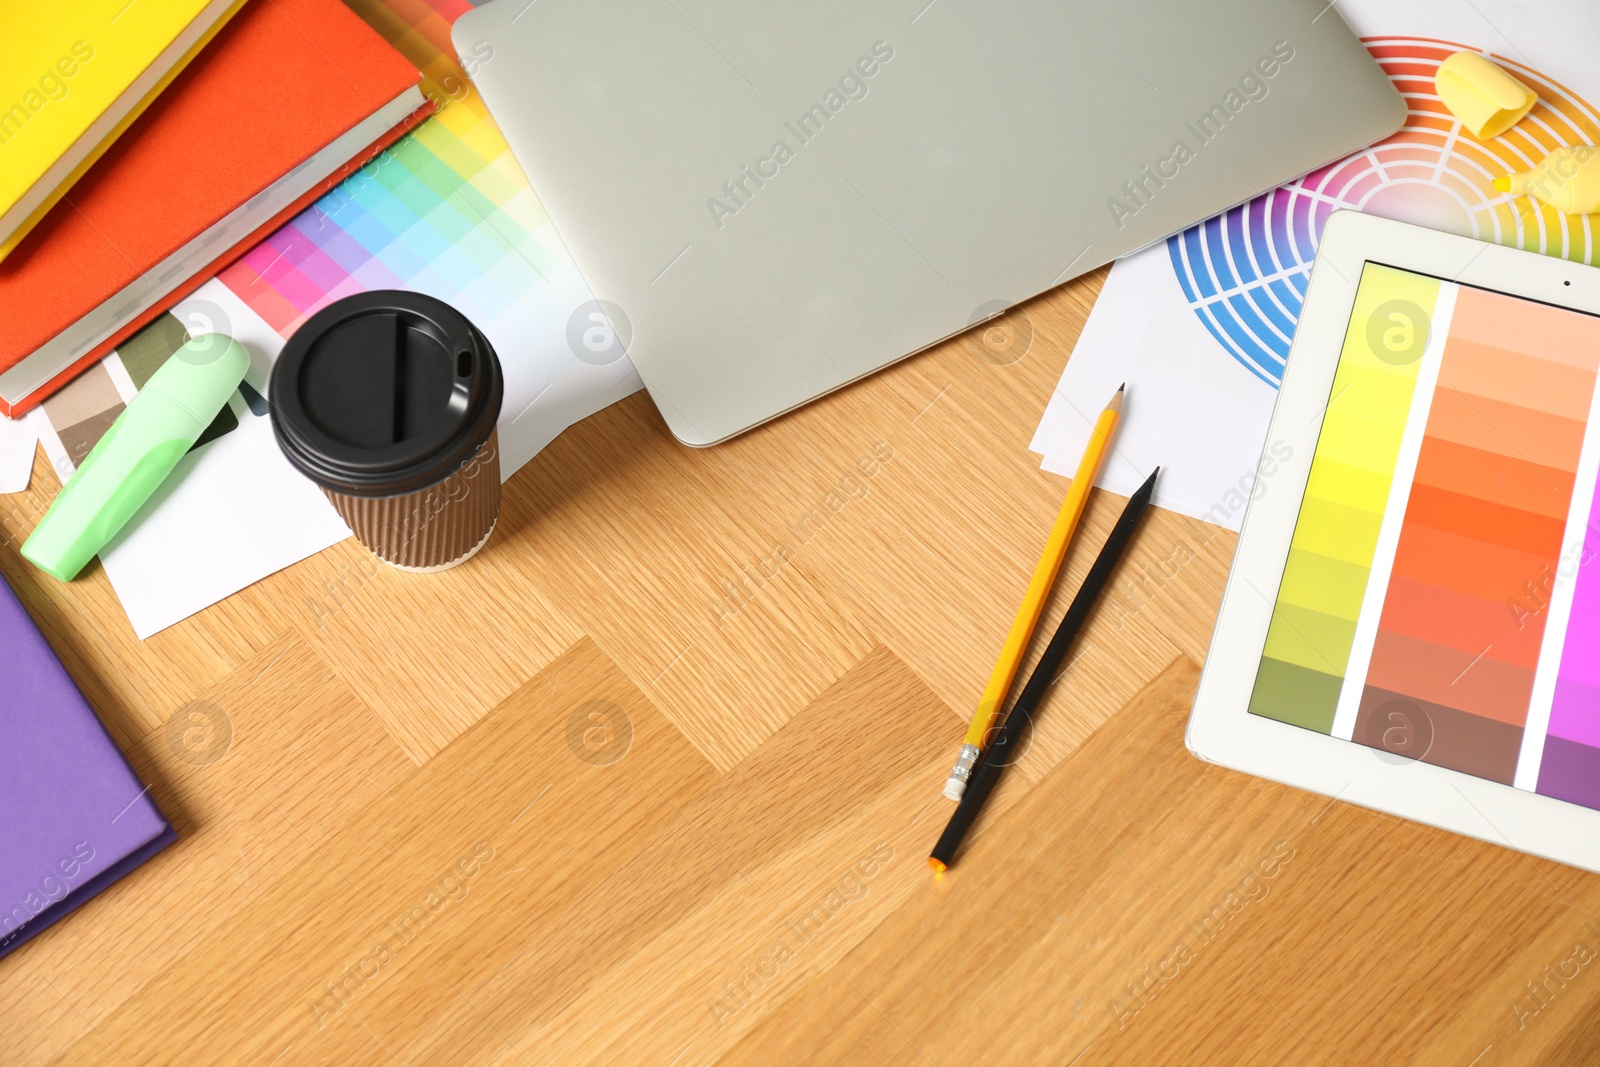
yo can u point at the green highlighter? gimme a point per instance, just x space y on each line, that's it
135 456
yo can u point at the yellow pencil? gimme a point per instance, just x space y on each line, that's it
1044 576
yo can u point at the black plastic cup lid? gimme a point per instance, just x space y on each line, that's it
384 393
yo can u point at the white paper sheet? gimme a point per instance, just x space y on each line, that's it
17 438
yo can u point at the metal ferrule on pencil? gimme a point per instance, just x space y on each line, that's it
956 784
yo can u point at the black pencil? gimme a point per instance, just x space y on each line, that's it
999 753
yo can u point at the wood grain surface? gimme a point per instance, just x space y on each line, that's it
651 781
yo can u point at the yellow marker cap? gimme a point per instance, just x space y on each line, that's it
1486 99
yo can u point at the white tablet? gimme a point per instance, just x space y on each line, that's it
1412 622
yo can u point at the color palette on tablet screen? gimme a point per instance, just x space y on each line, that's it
1571 765
1441 599
1335 542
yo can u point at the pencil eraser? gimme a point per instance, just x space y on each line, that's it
1486 99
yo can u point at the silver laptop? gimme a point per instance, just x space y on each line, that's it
782 196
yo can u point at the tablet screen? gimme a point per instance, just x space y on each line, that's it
1441 599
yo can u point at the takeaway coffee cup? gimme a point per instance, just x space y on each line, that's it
388 401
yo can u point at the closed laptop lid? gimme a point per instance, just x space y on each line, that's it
775 199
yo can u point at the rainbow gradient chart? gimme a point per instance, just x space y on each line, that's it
445 211
1245 272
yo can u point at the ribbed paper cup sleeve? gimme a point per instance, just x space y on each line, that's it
434 528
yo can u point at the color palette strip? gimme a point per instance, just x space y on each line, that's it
1483 525
81 413
1570 768
1331 553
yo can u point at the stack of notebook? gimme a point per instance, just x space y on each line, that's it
73 77
73 816
288 99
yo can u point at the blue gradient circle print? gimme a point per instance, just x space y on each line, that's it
1245 272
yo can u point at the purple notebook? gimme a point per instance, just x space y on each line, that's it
73 816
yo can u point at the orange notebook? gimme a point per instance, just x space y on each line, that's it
289 98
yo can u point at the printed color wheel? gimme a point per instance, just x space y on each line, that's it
1245 272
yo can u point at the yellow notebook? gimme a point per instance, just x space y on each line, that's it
73 75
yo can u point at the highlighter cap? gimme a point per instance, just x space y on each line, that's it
1483 95
202 393
384 393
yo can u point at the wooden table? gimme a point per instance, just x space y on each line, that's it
651 781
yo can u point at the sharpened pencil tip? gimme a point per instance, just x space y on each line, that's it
1115 404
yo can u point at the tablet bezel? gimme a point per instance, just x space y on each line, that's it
1221 730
